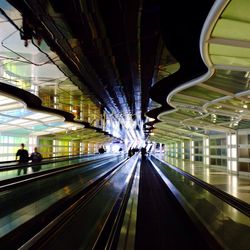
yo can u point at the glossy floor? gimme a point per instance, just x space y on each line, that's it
238 186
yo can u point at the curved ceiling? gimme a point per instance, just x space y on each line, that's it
34 75
192 61
220 102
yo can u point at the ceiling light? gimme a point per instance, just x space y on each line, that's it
247 74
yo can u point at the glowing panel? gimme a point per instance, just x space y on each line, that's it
234 166
233 152
234 139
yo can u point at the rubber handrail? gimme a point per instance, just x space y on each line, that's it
240 205
20 180
109 235
47 158
43 162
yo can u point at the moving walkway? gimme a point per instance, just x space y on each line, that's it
126 203
26 206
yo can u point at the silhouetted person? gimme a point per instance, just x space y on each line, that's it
101 150
133 151
36 157
130 153
23 159
143 152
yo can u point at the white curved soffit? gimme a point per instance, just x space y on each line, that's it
36 117
208 26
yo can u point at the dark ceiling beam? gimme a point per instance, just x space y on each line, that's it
151 44
121 32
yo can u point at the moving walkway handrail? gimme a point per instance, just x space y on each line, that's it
20 180
109 235
53 157
31 164
240 205
44 161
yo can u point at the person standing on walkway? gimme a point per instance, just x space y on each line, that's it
143 152
36 157
23 158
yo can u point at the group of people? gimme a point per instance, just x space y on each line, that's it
23 157
132 151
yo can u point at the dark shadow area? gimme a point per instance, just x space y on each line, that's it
161 221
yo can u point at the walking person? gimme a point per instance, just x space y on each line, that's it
23 159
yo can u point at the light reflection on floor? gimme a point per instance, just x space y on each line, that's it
238 186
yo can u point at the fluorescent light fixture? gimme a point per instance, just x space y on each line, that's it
229 164
207 142
207 160
233 153
70 125
3 127
17 121
234 139
207 151
234 166
55 130
4 101
52 118
37 116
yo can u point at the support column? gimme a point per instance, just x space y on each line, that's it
206 159
232 155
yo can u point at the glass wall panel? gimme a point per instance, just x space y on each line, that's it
198 150
218 150
9 146
244 150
